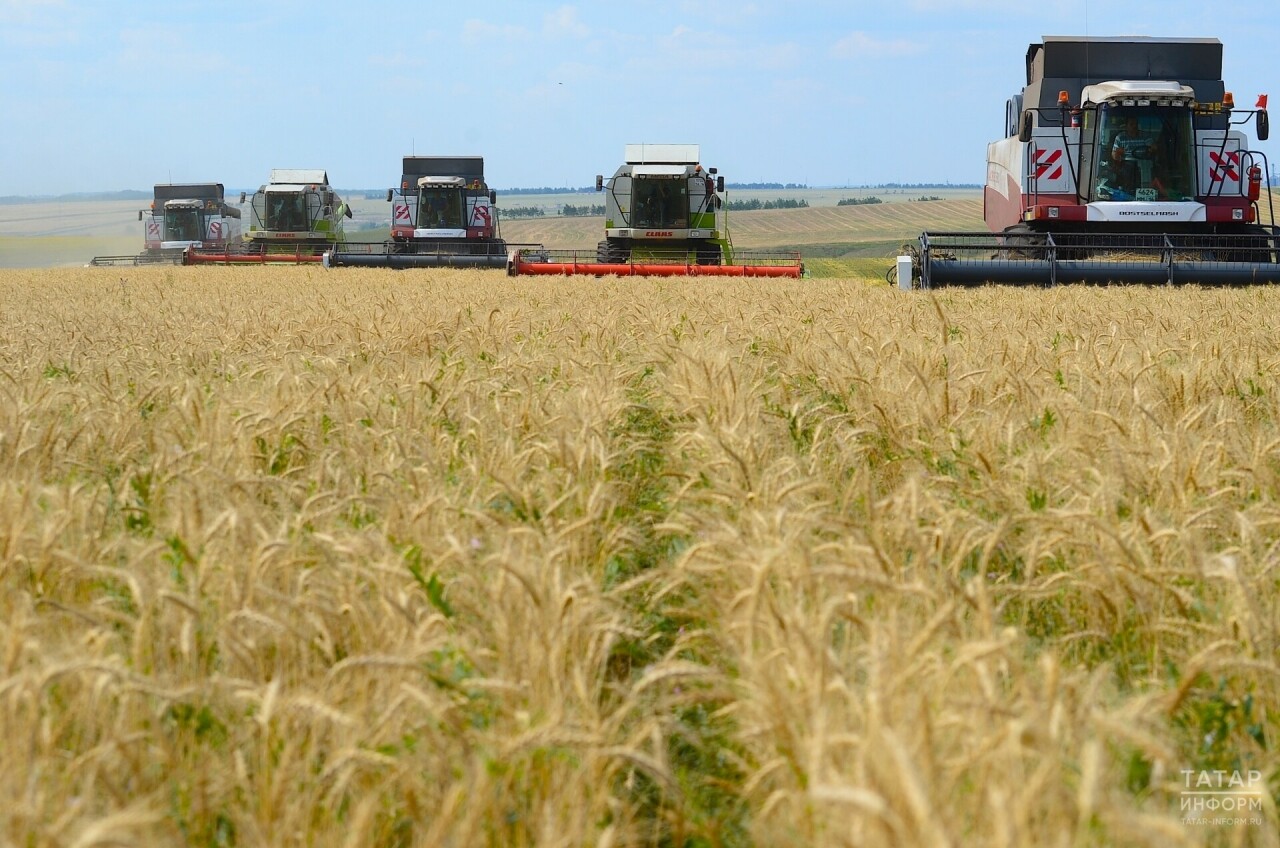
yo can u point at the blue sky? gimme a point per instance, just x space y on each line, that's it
102 96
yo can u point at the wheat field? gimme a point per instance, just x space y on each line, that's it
292 557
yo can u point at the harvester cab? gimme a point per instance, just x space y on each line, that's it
185 215
1123 161
443 214
665 215
1138 145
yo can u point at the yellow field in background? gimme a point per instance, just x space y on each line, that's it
52 234
295 557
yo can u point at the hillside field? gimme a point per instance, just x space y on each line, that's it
36 235
297 558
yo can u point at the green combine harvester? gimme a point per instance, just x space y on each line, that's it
664 216
296 217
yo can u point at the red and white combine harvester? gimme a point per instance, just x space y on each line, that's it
1123 163
664 216
443 215
182 216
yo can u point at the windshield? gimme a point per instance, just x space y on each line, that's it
1144 153
660 202
182 225
287 211
440 209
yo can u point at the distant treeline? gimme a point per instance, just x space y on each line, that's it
756 203
859 201
571 211
523 212
568 210
9 200
548 190
766 185
927 185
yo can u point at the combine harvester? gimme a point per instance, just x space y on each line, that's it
297 217
443 215
182 215
1122 165
664 216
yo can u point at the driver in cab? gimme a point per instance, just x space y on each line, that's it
1128 146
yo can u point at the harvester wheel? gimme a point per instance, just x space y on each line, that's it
608 253
1022 242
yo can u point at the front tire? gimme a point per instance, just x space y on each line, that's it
612 253
709 254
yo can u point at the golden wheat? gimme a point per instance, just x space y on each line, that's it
290 557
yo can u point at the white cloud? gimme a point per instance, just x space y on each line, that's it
36 24
931 6
397 61
719 10
717 51
857 45
172 59
26 11
564 21
476 31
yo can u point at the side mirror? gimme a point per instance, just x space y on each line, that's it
493 196
599 182
1264 125
346 209
140 211
390 194
242 197
720 184
1025 126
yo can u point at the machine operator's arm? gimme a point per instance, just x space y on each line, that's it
1128 146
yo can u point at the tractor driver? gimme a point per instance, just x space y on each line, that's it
435 213
1128 146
